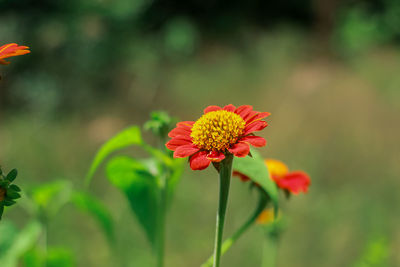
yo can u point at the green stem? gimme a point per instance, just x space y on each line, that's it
263 201
270 249
161 222
225 174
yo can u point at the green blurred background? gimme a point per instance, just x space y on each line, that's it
328 71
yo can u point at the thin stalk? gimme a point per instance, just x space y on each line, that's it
270 249
225 174
161 222
250 221
43 240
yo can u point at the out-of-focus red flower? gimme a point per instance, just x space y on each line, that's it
294 182
12 50
218 132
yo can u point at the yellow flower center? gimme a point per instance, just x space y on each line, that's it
217 130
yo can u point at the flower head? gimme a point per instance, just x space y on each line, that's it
217 132
293 182
12 50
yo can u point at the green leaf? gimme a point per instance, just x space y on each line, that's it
22 243
128 137
1 210
91 205
177 170
160 123
15 188
8 233
4 183
140 187
13 194
12 175
255 168
35 257
60 257
52 196
9 202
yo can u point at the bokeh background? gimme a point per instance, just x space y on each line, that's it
328 71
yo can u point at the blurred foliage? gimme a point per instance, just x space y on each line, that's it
376 254
84 53
142 181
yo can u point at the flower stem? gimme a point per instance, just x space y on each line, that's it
263 201
270 249
161 222
225 174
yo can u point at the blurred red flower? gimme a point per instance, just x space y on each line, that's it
294 182
12 50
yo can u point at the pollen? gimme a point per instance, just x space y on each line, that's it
217 130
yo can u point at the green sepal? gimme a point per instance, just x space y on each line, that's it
12 194
9 202
15 188
4 183
12 175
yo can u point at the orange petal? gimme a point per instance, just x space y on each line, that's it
276 168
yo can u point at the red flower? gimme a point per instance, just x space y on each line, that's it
12 50
294 182
218 132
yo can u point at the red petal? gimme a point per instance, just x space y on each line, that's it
242 177
199 161
179 140
258 116
255 126
185 151
185 123
240 150
243 111
211 108
215 156
230 108
180 130
256 141
295 182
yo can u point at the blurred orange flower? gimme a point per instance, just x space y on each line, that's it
266 217
12 50
294 182
218 132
